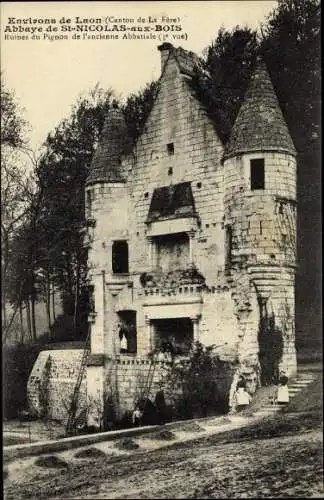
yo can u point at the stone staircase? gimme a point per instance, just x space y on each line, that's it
299 383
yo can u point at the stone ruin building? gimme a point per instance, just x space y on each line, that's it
190 239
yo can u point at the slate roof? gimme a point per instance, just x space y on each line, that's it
260 125
171 202
106 161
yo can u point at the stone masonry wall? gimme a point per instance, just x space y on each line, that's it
132 377
59 381
263 242
263 221
178 118
263 225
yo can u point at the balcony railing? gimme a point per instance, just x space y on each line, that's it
158 279
179 290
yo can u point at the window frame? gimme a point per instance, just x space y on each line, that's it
257 179
115 263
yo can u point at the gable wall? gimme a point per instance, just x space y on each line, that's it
177 117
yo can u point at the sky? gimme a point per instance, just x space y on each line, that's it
47 75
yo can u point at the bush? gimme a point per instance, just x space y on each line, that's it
63 330
271 348
199 385
18 362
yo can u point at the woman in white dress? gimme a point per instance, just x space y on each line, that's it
123 344
283 391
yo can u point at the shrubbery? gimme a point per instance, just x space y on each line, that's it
18 362
199 384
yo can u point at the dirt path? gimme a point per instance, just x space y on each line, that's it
289 466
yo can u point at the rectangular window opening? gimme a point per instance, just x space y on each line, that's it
120 257
127 332
173 335
228 247
170 148
88 203
257 173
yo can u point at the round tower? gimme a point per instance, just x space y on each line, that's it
260 215
106 214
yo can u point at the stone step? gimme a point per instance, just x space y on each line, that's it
308 378
297 386
301 382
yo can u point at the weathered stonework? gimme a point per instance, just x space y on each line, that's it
52 382
202 265
181 270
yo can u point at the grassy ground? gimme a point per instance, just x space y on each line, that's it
272 463
278 457
12 440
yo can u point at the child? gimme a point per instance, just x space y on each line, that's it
242 399
241 382
283 392
137 416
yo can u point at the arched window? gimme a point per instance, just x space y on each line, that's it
120 257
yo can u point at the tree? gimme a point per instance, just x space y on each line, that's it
62 173
138 107
289 42
16 186
291 49
13 126
193 384
228 61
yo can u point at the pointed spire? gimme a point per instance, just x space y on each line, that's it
259 125
106 160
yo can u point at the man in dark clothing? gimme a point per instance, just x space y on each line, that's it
160 406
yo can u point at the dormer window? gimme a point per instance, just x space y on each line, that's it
257 173
170 148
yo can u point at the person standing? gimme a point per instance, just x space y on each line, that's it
283 391
160 406
241 382
242 399
137 416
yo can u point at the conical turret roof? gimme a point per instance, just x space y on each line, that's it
259 125
106 161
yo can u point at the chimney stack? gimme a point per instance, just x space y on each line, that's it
165 49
